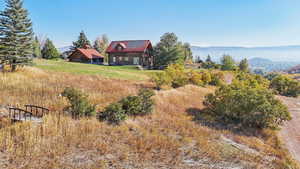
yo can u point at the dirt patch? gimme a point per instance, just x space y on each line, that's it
290 132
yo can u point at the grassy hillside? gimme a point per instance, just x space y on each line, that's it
169 138
116 72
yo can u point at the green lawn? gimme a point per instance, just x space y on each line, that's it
116 72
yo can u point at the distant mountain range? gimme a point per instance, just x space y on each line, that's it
272 58
268 65
64 49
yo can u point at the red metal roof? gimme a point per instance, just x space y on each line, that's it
129 46
90 53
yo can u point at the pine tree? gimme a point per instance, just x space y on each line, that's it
227 63
49 51
16 33
169 50
188 54
244 66
36 48
81 42
208 59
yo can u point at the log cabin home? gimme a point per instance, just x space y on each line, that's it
86 55
131 52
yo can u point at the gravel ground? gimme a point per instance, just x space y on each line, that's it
290 132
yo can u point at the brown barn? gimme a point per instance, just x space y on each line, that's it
86 55
131 52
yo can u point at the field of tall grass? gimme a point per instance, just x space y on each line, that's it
168 138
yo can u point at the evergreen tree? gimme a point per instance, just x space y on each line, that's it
244 66
36 48
188 54
16 33
81 42
169 51
208 59
227 63
49 51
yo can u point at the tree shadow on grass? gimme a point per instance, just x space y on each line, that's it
202 117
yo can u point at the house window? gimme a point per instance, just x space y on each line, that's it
114 59
119 48
136 60
126 59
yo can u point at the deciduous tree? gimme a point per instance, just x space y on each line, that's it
36 48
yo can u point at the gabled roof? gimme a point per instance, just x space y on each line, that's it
89 53
129 46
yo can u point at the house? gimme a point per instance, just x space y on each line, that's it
86 55
294 70
131 52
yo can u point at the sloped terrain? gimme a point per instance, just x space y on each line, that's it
168 138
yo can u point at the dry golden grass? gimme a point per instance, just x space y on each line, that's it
169 138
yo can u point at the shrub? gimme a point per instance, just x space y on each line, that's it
195 78
253 80
114 113
206 78
80 105
285 86
139 105
177 74
161 79
271 76
217 79
247 106
145 96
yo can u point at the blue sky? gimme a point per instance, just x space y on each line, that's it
201 22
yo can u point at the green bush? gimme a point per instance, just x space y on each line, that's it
145 96
206 78
161 79
114 113
175 76
195 78
217 79
271 76
247 106
139 105
178 75
285 86
253 80
79 104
